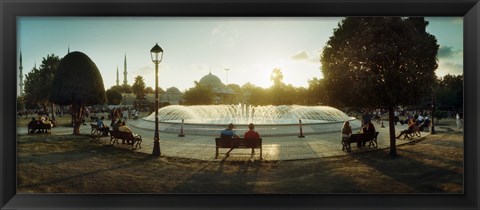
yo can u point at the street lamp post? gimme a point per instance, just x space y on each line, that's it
432 131
157 54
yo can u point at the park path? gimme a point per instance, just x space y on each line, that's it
274 148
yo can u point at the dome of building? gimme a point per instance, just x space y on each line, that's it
173 90
210 80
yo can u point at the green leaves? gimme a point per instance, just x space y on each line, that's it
138 87
38 83
379 61
78 81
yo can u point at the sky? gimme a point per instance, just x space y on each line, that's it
249 47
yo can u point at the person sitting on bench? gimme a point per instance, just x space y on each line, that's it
229 133
125 128
251 134
405 132
369 128
102 127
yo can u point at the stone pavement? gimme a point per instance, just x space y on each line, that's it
274 148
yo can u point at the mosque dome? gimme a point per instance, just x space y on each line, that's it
173 90
210 80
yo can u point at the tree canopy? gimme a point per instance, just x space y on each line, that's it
380 62
198 95
78 82
138 87
114 97
449 92
38 82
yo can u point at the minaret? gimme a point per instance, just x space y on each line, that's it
117 77
125 70
21 74
68 49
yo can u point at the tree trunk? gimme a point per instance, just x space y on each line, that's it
53 112
77 118
391 124
72 113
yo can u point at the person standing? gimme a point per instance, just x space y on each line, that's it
125 114
346 132
366 118
459 121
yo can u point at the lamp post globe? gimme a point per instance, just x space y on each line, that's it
156 54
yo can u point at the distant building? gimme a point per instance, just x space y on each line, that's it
221 93
172 96
21 76
125 82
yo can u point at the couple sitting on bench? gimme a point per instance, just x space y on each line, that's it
121 126
229 133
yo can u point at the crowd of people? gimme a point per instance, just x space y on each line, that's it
116 125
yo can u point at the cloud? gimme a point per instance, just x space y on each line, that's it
448 52
304 56
226 35
147 70
301 56
449 68
219 30
144 70
450 61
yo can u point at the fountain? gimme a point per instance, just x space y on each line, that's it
269 120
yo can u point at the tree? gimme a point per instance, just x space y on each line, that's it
256 95
316 93
449 93
278 85
20 103
198 95
276 76
234 98
138 87
78 82
122 88
149 90
114 97
38 83
380 62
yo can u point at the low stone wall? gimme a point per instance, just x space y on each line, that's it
264 130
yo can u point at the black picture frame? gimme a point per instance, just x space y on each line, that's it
10 10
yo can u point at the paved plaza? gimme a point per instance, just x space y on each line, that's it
274 147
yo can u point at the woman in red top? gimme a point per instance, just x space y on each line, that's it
251 134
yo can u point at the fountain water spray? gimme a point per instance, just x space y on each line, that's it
269 120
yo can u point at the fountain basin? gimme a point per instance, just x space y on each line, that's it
263 129
270 120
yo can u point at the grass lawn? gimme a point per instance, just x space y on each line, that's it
74 164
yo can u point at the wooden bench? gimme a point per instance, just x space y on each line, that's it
135 141
95 130
234 143
414 132
360 138
39 127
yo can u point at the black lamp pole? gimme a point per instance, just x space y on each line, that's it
156 53
432 131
